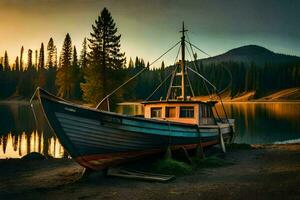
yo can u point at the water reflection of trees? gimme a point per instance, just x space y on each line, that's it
24 145
20 134
255 123
265 122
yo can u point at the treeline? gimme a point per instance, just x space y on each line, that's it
232 78
101 67
41 69
246 77
88 77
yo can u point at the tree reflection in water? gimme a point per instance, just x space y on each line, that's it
256 123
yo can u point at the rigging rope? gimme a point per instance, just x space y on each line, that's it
107 96
196 68
158 86
188 78
194 62
171 83
172 72
226 68
214 87
230 82
198 49
165 53
190 84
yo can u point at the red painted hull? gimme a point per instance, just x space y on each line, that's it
99 162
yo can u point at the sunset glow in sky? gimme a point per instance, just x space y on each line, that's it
149 28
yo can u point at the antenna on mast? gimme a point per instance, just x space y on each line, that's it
183 62
181 74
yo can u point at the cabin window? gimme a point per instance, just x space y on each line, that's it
155 112
205 111
202 111
171 112
187 111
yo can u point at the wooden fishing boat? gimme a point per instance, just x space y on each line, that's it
97 138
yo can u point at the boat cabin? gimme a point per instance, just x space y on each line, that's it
191 112
178 104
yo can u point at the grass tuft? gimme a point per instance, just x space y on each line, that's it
172 167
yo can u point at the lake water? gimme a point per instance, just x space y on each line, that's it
256 123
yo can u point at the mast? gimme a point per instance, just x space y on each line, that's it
180 74
183 62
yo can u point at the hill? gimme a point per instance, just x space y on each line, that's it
252 54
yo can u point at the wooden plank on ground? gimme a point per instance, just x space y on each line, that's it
133 174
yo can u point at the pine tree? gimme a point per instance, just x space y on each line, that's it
75 76
36 59
59 61
162 71
137 63
28 80
16 73
83 63
55 57
41 58
130 64
29 59
105 59
63 76
83 55
51 49
142 63
17 66
162 77
21 59
74 58
6 62
50 74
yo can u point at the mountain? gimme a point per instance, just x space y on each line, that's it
252 54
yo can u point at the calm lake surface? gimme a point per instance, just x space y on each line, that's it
256 123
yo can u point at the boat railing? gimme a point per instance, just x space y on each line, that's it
207 120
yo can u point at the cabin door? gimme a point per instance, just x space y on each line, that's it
206 115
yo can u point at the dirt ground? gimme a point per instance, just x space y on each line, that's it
266 172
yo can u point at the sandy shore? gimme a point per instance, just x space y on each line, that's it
266 172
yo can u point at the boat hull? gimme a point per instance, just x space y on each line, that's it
98 139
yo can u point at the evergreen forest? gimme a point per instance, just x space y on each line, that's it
92 73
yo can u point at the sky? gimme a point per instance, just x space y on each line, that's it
149 28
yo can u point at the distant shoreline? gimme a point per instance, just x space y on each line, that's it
290 95
260 101
27 102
